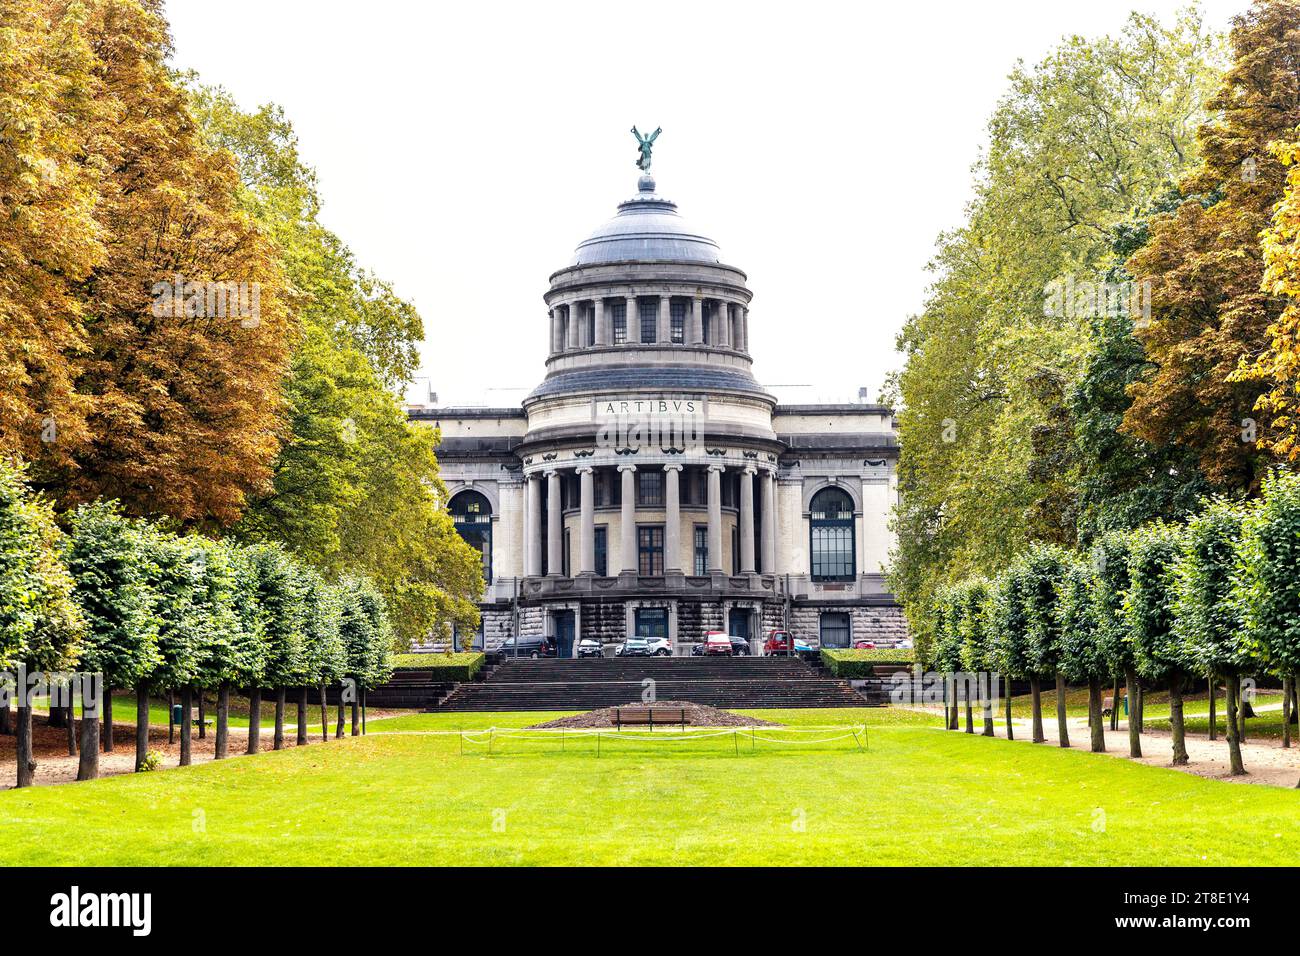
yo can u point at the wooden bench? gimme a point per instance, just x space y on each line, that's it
649 715
1108 703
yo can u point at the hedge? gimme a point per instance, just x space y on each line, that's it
859 664
461 666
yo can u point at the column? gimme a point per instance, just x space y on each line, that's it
633 321
575 323
587 521
665 319
768 531
554 526
672 518
697 321
742 328
533 526
602 333
715 518
557 331
747 520
627 521
722 319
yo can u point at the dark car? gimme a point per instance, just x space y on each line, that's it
739 645
529 646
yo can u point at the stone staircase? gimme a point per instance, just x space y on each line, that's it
587 684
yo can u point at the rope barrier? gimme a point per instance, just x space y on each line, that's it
491 735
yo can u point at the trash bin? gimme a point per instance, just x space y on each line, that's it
177 714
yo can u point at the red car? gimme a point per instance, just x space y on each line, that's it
778 642
717 642
863 646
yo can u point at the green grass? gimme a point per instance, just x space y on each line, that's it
918 796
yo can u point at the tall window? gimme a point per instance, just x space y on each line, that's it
832 535
650 488
472 515
701 550
602 550
835 630
677 313
619 315
650 550
649 310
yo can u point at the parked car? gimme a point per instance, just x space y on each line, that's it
633 647
589 648
716 642
528 646
864 646
778 642
740 645
660 647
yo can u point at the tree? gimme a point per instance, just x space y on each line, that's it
1269 584
1084 657
106 556
1205 264
1008 631
324 656
1045 567
945 650
977 657
1209 621
222 638
1149 607
246 664
1110 583
282 600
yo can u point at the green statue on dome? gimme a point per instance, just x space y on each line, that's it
645 143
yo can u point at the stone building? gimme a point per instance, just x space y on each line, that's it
649 485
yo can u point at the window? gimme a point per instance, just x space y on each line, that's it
602 550
650 488
835 630
677 313
701 550
650 550
832 535
619 315
472 515
649 310
651 622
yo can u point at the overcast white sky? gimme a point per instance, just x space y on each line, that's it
465 148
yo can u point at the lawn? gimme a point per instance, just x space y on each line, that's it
919 795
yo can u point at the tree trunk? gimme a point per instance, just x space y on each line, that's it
946 721
302 716
222 743
1011 734
986 697
1214 731
1241 714
254 720
363 710
106 737
171 717
324 717
187 725
1036 697
970 716
23 743
338 731
6 720
1286 711
70 725
141 726
1233 683
356 715
1176 718
1131 693
1062 727
1114 706
203 714
1095 717
88 765
279 718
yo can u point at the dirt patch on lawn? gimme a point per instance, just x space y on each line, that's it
697 715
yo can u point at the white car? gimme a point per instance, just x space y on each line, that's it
660 647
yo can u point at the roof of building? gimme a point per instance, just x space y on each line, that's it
650 378
646 228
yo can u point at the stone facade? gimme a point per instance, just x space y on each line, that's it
650 484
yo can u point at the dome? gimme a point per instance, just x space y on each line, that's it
647 228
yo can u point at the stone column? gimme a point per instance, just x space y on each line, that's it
722 319
697 321
747 520
768 531
575 322
554 526
627 521
672 518
587 521
715 519
533 527
557 331
602 332
633 321
742 328
665 319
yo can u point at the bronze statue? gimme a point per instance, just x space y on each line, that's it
645 143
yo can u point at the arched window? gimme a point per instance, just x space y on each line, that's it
832 546
472 514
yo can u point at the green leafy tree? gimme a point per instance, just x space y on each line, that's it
282 601
1084 657
1008 627
1111 577
977 651
1045 567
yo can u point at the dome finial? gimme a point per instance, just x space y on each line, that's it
645 143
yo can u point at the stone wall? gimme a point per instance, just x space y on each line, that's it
878 624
